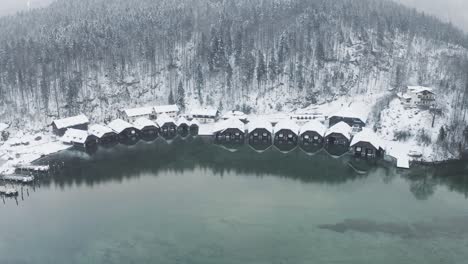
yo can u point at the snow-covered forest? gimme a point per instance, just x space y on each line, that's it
96 56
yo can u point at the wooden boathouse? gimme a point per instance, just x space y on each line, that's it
260 133
147 128
231 131
367 144
286 133
194 128
339 134
167 126
80 122
183 127
312 133
127 132
79 138
104 134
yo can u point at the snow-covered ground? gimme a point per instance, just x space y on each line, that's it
22 149
397 120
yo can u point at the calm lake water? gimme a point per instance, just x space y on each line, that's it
193 202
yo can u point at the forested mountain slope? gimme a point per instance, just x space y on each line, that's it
95 56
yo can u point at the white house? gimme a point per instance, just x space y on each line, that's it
171 110
132 114
205 115
419 96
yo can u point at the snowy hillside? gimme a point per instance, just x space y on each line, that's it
96 56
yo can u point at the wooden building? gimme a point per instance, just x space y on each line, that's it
355 118
260 132
104 134
367 144
167 126
339 134
80 122
132 114
194 128
205 115
419 96
286 133
170 110
147 128
79 138
312 133
183 127
229 131
127 132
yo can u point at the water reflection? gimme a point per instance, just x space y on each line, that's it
122 162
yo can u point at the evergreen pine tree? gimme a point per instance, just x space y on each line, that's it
170 100
180 96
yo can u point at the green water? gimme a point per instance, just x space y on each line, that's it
191 202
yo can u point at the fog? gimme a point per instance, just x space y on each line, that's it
448 10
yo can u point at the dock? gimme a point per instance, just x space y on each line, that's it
18 178
32 168
8 191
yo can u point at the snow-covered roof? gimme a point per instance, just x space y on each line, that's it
314 125
236 114
143 122
71 121
163 119
194 122
340 128
183 120
229 123
287 124
139 111
99 130
419 89
75 136
259 123
119 125
350 112
166 108
204 112
3 126
367 135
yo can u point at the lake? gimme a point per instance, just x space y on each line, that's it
194 202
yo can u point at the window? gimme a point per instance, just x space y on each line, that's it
358 149
255 134
290 136
316 137
306 137
264 134
280 135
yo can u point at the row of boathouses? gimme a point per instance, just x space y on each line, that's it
345 132
312 136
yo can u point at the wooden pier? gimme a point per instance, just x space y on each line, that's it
18 178
8 191
32 168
